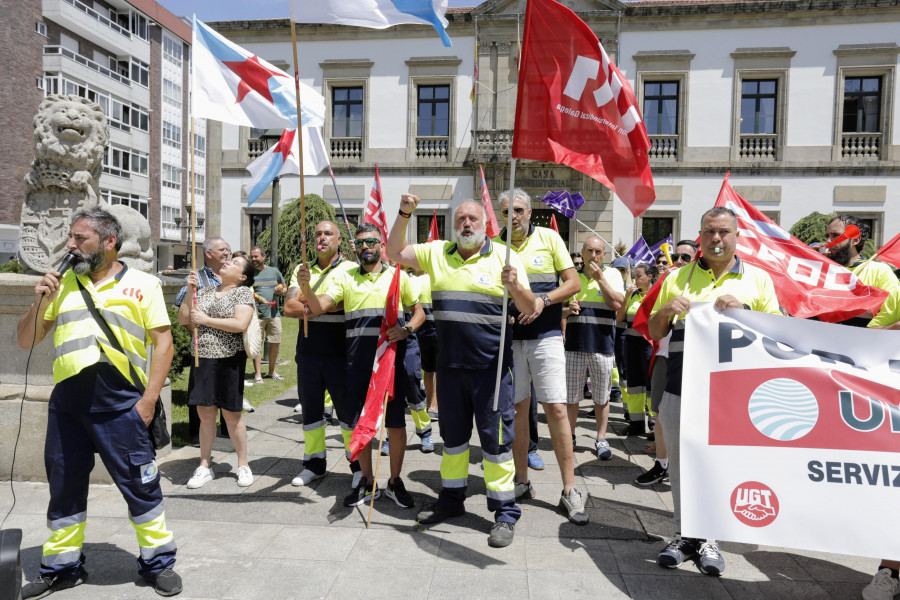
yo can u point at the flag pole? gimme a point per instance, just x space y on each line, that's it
504 313
341 204
300 142
194 245
378 459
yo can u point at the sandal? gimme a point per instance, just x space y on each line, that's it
650 448
258 380
276 377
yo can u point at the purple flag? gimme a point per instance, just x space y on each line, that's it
655 249
641 252
564 202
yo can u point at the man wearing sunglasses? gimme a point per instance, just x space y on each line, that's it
685 251
539 357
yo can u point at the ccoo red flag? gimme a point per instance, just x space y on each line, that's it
890 252
553 224
433 233
491 227
575 107
382 381
375 209
807 283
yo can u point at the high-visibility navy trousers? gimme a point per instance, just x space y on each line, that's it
123 443
318 374
462 395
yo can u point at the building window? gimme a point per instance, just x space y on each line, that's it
541 217
172 93
171 176
656 229
199 145
758 100
136 202
258 224
168 214
140 26
862 105
41 28
423 225
171 134
140 72
122 162
661 107
199 184
172 50
433 110
347 112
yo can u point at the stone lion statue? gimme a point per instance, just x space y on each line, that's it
71 135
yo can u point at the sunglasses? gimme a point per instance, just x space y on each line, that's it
370 242
578 264
518 210
684 257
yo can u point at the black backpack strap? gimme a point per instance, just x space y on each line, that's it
110 336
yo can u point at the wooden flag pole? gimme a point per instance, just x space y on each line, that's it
194 245
300 160
504 314
377 460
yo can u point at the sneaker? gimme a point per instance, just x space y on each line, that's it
166 582
44 586
362 493
435 513
396 491
501 534
603 450
676 552
245 476
427 443
276 377
573 506
201 477
655 475
385 448
247 406
298 407
711 561
636 428
524 490
306 477
357 475
535 461
882 586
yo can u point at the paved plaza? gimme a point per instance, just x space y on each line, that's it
273 541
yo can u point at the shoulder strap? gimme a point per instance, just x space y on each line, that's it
113 340
324 273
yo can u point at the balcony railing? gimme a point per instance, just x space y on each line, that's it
663 147
432 148
758 147
861 145
346 148
83 60
497 142
256 147
99 18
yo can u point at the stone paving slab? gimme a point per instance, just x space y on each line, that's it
275 541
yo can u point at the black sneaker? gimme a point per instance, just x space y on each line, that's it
655 475
361 494
396 491
524 490
166 583
636 428
501 534
44 586
436 512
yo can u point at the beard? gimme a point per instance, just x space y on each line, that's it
841 255
371 259
470 241
89 263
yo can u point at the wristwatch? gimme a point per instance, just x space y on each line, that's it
546 300
409 329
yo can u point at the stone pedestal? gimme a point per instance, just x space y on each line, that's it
16 295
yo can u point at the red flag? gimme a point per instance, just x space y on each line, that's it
890 252
553 224
491 228
382 381
375 209
433 233
808 283
643 312
575 107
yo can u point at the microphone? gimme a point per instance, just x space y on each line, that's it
68 261
850 232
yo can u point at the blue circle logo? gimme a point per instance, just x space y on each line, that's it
783 409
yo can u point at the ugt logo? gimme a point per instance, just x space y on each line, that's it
754 504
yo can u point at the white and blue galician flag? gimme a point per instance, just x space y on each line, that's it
231 85
375 14
641 252
655 249
281 159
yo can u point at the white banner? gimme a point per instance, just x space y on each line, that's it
790 433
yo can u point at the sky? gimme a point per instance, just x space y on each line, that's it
236 10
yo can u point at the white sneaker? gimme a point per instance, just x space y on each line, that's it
201 477
306 477
882 586
299 407
245 477
247 406
357 476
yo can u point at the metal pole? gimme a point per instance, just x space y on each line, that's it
276 202
504 314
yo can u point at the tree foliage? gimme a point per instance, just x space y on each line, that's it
812 227
290 240
181 339
12 266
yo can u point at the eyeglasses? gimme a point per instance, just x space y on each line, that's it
683 257
518 210
370 242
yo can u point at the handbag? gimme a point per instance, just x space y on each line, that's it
158 430
253 337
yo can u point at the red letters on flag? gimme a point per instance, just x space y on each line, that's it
808 284
575 107
382 381
491 227
375 210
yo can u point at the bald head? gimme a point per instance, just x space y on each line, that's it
469 206
594 250
594 242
